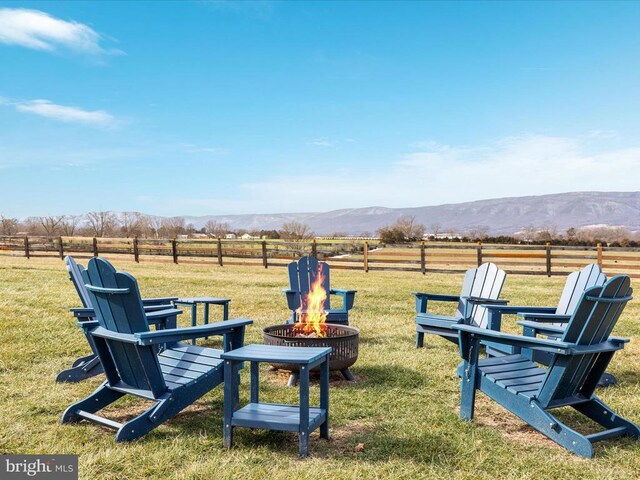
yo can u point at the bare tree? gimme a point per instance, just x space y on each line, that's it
216 229
547 232
528 233
101 223
69 225
411 230
51 224
479 232
571 233
8 226
435 229
296 231
133 224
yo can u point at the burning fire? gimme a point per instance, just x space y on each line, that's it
311 320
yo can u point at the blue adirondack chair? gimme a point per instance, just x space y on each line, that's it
553 318
579 358
302 274
173 377
481 286
89 365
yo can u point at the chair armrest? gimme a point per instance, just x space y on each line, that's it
161 314
109 335
537 327
148 302
85 313
552 346
180 334
437 297
485 301
423 298
163 319
87 325
515 309
293 298
545 317
348 296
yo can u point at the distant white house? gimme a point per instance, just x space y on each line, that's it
230 235
199 235
246 236
182 236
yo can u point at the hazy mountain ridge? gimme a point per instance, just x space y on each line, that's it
500 215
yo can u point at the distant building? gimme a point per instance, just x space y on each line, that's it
246 236
230 236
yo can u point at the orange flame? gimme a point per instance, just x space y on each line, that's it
313 318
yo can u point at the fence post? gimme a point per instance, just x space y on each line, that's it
95 247
136 253
479 253
599 255
219 252
264 254
548 248
60 248
366 256
174 250
26 247
423 261
314 249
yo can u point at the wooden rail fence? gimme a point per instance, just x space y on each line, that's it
362 255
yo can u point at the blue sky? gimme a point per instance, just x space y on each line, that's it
198 108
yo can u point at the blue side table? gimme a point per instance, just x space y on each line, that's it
290 418
193 303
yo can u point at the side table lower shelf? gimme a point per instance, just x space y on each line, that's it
273 416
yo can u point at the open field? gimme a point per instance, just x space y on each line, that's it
403 407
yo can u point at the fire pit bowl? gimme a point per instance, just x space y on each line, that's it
342 340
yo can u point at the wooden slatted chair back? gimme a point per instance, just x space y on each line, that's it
75 274
576 376
303 273
486 281
118 307
576 284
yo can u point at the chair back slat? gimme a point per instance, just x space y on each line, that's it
486 281
302 275
578 282
592 322
118 308
75 275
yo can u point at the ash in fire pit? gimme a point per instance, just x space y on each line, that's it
342 340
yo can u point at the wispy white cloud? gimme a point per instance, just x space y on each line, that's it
435 173
321 142
63 113
40 31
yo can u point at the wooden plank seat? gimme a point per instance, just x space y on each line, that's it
155 365
481 286
579 357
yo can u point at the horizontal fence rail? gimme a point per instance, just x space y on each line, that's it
349 254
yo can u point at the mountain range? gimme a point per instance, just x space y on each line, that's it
500 216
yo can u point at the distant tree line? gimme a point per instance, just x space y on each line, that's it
405 229
134 224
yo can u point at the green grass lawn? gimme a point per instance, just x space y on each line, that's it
403 407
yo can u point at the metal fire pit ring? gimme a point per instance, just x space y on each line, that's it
343 341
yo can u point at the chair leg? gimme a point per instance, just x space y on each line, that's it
99 399
602 414
81 371
557 431
83 360
419 339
